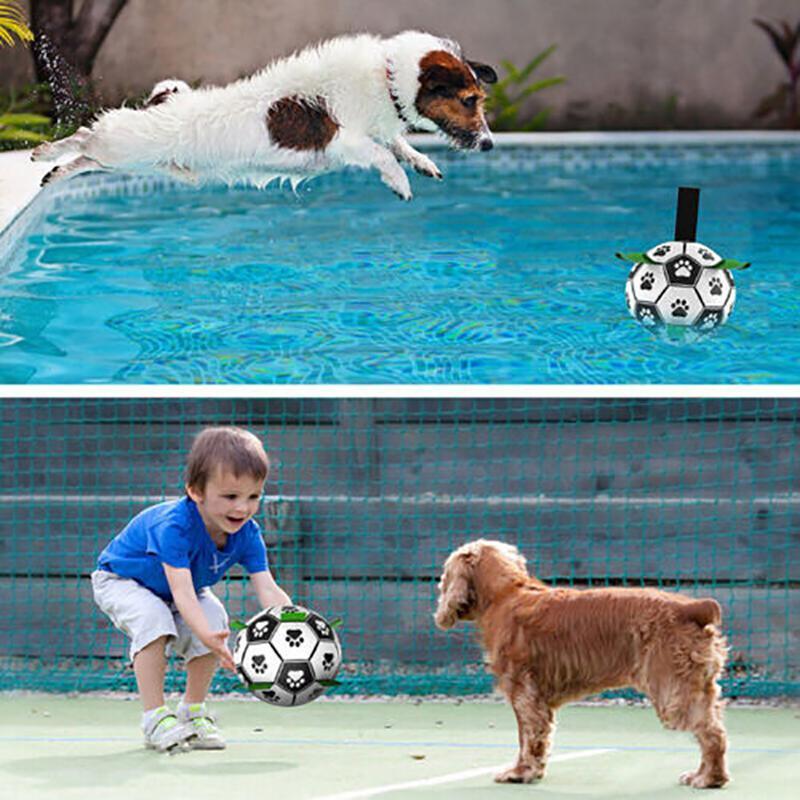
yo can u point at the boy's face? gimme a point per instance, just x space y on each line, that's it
228 501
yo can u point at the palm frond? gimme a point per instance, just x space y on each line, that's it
13 23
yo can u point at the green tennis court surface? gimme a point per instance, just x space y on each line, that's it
52 746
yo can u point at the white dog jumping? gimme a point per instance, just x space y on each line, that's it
347 102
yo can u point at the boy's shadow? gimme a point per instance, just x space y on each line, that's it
118 768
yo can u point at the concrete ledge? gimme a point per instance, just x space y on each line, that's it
19 183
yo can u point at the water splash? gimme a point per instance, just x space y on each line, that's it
72 96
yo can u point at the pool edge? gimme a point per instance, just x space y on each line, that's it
20 177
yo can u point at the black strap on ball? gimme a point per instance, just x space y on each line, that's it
686 216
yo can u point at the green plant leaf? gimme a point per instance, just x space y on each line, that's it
537 123
12 23
23 119
506 97
507 114
237 625
21 135
539 85
536 60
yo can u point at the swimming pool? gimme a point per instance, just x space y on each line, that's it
503 273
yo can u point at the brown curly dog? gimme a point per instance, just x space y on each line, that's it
548 646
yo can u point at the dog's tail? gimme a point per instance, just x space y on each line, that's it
702 612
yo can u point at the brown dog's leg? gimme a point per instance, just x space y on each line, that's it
535 720
705 721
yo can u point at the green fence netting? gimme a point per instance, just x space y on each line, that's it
367 497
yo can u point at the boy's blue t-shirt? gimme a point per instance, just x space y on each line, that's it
174 533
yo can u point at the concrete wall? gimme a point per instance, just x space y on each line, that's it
624 59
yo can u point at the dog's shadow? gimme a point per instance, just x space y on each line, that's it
117 769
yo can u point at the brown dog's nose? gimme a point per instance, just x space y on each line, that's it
486 144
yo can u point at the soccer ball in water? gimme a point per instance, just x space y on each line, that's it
287 655
680 284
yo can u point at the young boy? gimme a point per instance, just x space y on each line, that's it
153 581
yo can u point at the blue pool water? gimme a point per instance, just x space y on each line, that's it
503 273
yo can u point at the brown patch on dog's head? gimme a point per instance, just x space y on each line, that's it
299 124
451 96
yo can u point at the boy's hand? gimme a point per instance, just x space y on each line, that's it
217 643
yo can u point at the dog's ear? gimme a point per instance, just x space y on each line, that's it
485 73
456 592
441 80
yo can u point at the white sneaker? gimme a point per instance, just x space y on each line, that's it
203 725
164 732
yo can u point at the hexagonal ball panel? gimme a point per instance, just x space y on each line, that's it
259 663
709 319
294 676
663 252
261 626
307 695
715 287
703 255
326 660
648 282
294 640
683 270
679 305
648 315
276 696
321 626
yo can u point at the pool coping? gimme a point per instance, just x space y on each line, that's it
20 177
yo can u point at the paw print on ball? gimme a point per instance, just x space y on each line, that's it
294 676
715 286
647 315
259 664
647 281
296 679
680 308
328 661
683 271
294 637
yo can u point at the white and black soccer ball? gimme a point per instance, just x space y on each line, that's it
287 655
680 284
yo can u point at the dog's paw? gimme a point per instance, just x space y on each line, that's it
42 152
519 774
397 181
51 176
401 188
702 780
425 166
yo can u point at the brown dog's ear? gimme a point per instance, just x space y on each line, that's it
456 594
441 80
485 73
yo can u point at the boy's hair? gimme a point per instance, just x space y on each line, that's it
229 448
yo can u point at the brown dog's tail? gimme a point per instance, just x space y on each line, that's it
702 612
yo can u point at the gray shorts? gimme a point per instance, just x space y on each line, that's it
144 617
